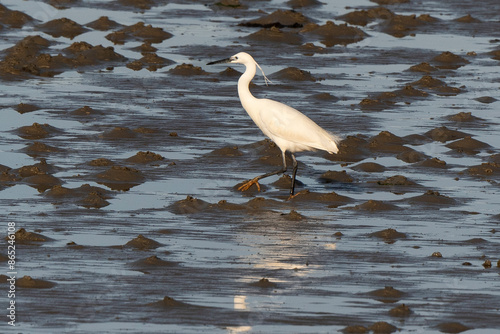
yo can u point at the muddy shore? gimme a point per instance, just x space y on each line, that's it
122 153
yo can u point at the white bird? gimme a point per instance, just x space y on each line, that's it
291 130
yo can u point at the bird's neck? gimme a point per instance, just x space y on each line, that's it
243 86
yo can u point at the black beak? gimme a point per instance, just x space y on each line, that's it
222 61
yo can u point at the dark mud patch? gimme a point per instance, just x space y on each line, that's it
331 199
293 74
369 167
468 145
276 35
142 243
151 263
331 34
387 294
336 177
389 236
86 195
27 282
63 27
187 70
38 131
139 32
120 178
24 108
30 238
400 311
189 205
279 19
40 149
443 134
374 205
433 198
145 158
151 61
436 85
264 283
103 24
14 18
452 327
432 163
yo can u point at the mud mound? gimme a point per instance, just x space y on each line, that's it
487 169
411 156
37 131
303 3
363 17
120 178
397 180
432 198
85 111
463 117
468 145
264 283
449 60
452 327
374 205
334 176
25 237
369 167
145 157
486 99
139 32
151 61
440 87
84 54
24 108
388 294
142 243
37 148
152 262
228 151
279 19
13 18
443 134
103 23
433 163
86 195
189 205
293 216
331 34
62 27
187 70
332 199
27 282
404 25
42 182
170 303
119 133
276 35
400 311
293 74
383 327
423 67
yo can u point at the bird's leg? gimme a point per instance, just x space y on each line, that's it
245 186
294 172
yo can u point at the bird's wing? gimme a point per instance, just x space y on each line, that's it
288 124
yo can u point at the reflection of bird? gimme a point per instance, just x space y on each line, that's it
291 130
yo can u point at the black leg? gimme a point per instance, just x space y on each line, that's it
295 167
255 180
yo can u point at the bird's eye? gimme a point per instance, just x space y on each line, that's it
236 58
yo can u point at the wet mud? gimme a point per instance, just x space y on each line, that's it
122 154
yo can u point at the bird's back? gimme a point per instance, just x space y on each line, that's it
290 129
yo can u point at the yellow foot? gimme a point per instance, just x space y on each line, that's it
245 186
297 194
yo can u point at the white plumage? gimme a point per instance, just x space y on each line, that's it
291 130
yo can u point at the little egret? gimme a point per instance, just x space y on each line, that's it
291 130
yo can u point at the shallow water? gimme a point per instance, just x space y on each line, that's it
215 253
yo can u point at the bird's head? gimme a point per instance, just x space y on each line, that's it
241 58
